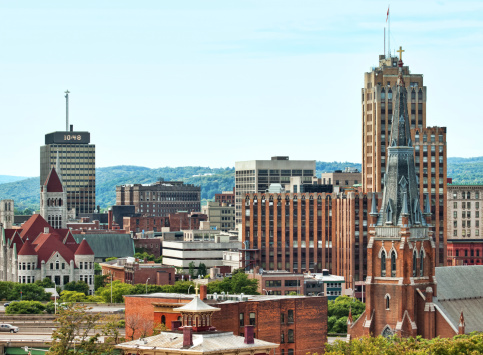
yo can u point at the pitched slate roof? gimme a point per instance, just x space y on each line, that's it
49 245
84 249
27 249
108 245
460 289
34 226
53 183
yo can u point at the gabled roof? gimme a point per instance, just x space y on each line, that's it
9 233
50 244
70 242
34 226
84 249
53 183
16 240
27 249
108 245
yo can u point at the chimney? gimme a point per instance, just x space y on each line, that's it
175 324
46 230
72 128
203 291
249 334
187 337
109 219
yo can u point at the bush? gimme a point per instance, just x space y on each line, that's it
79 286
28 292
72 296
25 307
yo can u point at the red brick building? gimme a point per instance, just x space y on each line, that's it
297 323
131 271
149 245
137 224
186 221
227 197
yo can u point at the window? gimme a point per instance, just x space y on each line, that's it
290 316
383 264
252 318
290 336
282 318
387 301
393 264
282 337
421 264
242 319
414 264
290 351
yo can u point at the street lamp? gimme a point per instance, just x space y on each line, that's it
189 289
147 284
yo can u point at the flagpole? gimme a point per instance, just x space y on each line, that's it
389 31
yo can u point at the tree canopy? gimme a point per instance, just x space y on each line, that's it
78 286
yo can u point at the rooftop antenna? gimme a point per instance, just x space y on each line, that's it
388 20
67 110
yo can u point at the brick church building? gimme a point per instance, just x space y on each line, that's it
401 282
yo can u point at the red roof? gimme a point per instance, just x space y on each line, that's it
84 248
49 245
27 249
34 226
53 182
16 240
70 242
9 233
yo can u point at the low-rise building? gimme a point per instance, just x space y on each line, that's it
227 197
278 282
325 284
151 246
220 215
343 178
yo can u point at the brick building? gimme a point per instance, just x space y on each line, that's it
297 323
152 246
161 198
227 197
464 224
184 221
378 105
347 178
139 223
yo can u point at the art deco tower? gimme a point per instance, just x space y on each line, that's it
380 86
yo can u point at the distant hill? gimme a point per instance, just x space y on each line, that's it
9 178
212 180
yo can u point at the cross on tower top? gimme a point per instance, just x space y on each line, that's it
400 51
196 289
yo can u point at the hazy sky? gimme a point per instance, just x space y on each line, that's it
174 83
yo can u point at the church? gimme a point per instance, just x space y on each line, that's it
43 246
402 282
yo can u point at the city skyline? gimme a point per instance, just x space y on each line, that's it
168 77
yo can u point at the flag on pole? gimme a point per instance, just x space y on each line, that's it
387 14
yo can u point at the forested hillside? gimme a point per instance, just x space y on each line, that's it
212 180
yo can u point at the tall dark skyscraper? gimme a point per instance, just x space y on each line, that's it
77 163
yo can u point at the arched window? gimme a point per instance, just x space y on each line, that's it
421 263
388 298
383 264
414 263
420 94
163 320
393 264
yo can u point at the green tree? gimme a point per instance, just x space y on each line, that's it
28 292
159 260
202 269
79 286
144 255
341 305
111 258
119 289
5 289
45 283
192 269
25 307
97 269
72 296
240 283
100 281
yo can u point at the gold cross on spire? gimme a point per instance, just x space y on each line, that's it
196 289
400 52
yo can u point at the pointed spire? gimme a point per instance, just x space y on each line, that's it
427 205
461 327
374 205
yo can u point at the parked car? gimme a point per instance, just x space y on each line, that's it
8 328
9 303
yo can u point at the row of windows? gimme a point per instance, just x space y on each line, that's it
466 205
466 195
466 214
466 224
425 138
27 266
466 233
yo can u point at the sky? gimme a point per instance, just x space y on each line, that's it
208 82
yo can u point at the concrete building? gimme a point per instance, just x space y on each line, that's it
342 178
77 162
161 198
465 224
297 323
220 215
378 105
325 284
256 176
278 282
205 246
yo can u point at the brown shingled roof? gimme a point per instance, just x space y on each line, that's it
53 182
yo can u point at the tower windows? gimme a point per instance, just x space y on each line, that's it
387 298
383 264
393 264
414 264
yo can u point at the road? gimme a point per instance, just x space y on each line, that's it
95 308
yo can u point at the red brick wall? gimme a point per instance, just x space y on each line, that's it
138 224
183 220
149 245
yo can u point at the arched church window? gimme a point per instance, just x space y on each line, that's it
421 264
383 264
415 263
393 264
387 298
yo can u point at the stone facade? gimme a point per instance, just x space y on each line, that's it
53 197
220 215
6 213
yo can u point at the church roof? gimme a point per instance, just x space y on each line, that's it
108 245
27 249
84 249
196 305
460 289
34 226
16 240
70 242
219 342
53 182
49 244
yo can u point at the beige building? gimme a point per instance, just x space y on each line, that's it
6 213
221 216
343 178
429 142
256 176
465 212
